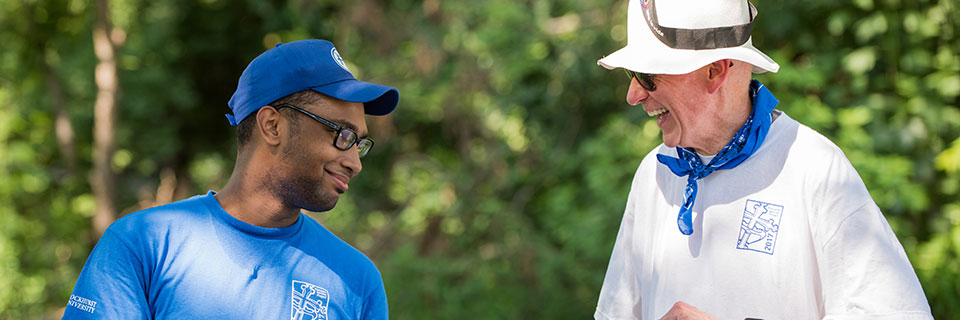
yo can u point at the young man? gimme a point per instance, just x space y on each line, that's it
247 252
742 212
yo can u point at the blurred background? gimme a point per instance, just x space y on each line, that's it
495 191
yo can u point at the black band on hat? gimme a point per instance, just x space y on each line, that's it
706 38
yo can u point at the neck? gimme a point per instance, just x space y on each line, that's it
735 113
244 198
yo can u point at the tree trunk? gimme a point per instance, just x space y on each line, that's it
63 126
102 178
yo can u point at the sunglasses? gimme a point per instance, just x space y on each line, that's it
645 79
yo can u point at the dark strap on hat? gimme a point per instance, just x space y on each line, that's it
707 38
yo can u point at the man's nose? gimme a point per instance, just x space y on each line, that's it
636 93
352 161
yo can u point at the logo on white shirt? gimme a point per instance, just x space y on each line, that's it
759 226
309 301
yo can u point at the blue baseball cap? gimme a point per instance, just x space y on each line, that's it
312 64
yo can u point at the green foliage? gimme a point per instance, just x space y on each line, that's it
498 186
882 81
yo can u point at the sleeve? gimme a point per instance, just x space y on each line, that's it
866 272
375 301
620 293
111 284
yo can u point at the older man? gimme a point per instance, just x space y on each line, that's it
742 212
248 252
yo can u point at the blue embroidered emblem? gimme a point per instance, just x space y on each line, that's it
309 301
759 226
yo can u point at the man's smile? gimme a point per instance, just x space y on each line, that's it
340 181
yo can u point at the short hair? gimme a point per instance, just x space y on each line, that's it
246 127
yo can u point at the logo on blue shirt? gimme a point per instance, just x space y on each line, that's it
759 226
309 301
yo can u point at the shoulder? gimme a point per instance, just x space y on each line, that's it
787 132
651 166
805 146
650 163
321 243
817 143
180 213
651 177
825 171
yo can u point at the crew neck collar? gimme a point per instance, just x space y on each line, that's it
219 213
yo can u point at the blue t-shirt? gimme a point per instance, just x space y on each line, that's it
192 260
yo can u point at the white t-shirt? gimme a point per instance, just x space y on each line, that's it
790 233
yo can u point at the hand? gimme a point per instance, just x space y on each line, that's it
683 311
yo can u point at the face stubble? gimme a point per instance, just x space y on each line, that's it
295 182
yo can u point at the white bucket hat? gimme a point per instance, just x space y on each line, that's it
680 36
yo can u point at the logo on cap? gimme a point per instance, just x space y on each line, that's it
338 59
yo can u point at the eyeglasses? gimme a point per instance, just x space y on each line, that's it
345 138
645 79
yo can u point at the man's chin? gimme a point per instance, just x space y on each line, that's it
670 141
323 205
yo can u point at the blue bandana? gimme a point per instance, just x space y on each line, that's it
743 144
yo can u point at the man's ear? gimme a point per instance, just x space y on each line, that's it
717 73
268 125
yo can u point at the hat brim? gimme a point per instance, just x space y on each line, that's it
657 58
377 99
